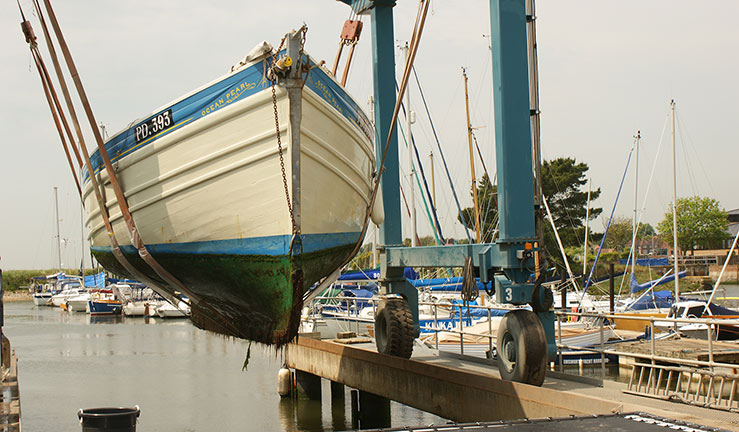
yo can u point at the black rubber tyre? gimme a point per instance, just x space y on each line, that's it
394 328
522 348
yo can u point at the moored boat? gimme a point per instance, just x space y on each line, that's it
696 309
78 303
168 310
204 183
104 307
60 299
133 308
42 298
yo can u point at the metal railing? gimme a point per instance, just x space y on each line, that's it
697 259
711 326
462 320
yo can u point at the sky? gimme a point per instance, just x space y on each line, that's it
607 69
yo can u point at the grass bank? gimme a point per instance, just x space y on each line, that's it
13 280
643 274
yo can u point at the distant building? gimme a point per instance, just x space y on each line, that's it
652 245
733 227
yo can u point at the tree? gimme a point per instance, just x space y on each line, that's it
619 233
562 181
645 231
701 222
487 197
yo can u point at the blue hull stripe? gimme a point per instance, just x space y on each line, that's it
270 245
233 88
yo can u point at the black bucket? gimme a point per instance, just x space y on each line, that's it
109 419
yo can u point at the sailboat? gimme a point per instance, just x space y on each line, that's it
206 178
42 293
658 305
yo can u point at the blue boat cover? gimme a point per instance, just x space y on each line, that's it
373 274
636 287
474 312
364 294
655 299
445 284
95 281
646 262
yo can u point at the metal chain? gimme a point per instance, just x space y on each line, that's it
273 79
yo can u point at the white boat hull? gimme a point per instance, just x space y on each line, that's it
210 193
42 299
168 310
77 304
141 307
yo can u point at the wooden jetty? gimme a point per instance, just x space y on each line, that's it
678 348
10 404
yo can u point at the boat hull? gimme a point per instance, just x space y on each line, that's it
141 308
104 307
637 321
266 295
42 299
209 201
76 305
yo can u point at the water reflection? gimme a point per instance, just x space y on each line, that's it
184 379
104 319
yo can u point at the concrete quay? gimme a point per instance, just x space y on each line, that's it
465 389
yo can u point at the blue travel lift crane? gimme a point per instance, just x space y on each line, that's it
525 341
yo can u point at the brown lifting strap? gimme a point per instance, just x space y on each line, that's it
349 36
136 240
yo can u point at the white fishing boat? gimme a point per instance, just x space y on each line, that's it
203 180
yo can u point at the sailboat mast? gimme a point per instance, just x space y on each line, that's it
433 181
472 157
636 185
674 205
535 118
587 224
411 170
58 236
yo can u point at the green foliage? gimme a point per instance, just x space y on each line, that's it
619 234
562 182
423 241
701 222
15 279
487 197
363 259
645 231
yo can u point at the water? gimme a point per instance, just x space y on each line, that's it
183 378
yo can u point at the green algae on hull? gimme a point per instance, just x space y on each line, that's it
246 296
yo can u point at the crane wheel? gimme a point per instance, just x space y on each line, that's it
394 327
522 348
